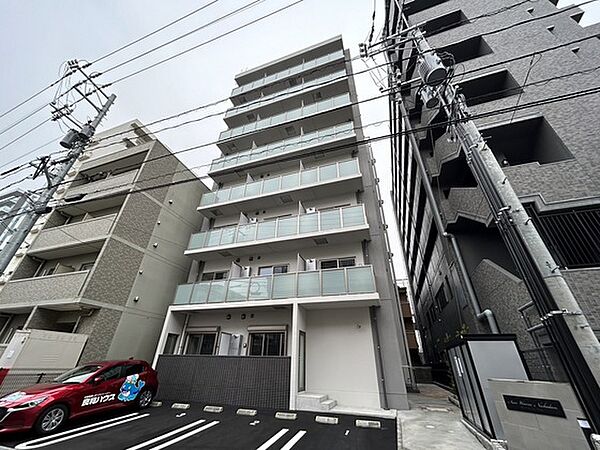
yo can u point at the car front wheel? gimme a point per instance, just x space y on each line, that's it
145 398
51 419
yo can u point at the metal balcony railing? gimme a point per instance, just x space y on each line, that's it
285 227
318 283
288 181
312 138
292 71
288 116
299 88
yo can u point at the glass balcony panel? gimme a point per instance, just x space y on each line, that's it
334 282
244 158
284 286
289 181
328 172
217 291
208 199
309 284
293 114
197 240
253 188
353 216
238 290
271 185
183 294
246 232
360 280
260 288
237 192
348 168
266 230
200 293
287 226
227 235
330 220
310 109
309 223
222 195
309 176
213 238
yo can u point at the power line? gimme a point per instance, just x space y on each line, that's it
195 30
152 33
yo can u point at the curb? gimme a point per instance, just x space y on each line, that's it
246 412
286 416
328 420
360 423
180 406
213 409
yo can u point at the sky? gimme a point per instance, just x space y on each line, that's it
39 36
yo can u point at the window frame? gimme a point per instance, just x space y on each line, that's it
214 274
273 267
337 262
200 333
282 343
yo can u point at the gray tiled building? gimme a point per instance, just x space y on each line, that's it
106 261
547 151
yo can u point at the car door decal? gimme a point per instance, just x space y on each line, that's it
94 399
131 388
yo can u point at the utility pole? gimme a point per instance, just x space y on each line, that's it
55 171
576 344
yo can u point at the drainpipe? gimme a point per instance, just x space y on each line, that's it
486 315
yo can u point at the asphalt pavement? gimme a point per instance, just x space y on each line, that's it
166 428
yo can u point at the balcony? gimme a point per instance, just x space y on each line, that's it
307 287
303 185
311 109
60 288
348 224
72 239
296 146
107 186
299 89
292 71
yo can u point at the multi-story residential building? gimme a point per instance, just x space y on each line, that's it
291 276
106 261
12 205
409 321
461 273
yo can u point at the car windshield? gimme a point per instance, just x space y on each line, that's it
77 375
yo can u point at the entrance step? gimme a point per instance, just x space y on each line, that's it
310 401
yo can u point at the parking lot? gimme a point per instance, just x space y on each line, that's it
163 427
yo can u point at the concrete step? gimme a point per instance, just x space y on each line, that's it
328 404
313 396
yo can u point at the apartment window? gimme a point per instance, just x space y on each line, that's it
45 270
170 344
267 344
440 298
466 50
270 270
444 23
211 276
338 263
201 344
489 87
75 219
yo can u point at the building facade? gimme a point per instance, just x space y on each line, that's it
291 272
12 204
106 261
511 75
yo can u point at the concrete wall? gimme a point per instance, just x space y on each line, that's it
340 356
528 431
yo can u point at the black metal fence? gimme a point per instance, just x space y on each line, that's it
17 379
261 382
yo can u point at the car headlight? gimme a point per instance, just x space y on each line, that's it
29 404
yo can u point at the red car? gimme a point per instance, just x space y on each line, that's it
87 389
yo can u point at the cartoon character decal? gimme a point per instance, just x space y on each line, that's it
131 388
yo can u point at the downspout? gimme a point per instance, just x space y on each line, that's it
487 314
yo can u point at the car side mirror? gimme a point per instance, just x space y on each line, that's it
97 380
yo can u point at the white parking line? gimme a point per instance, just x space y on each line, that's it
185 436
70 434
167 435
273 439
293 440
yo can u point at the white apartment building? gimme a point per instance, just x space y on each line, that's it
290 302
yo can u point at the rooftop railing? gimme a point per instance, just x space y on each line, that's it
318 283
282 227
295 70
288 181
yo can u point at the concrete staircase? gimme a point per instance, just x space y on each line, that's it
309 401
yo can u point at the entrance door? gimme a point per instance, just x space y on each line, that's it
302 362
